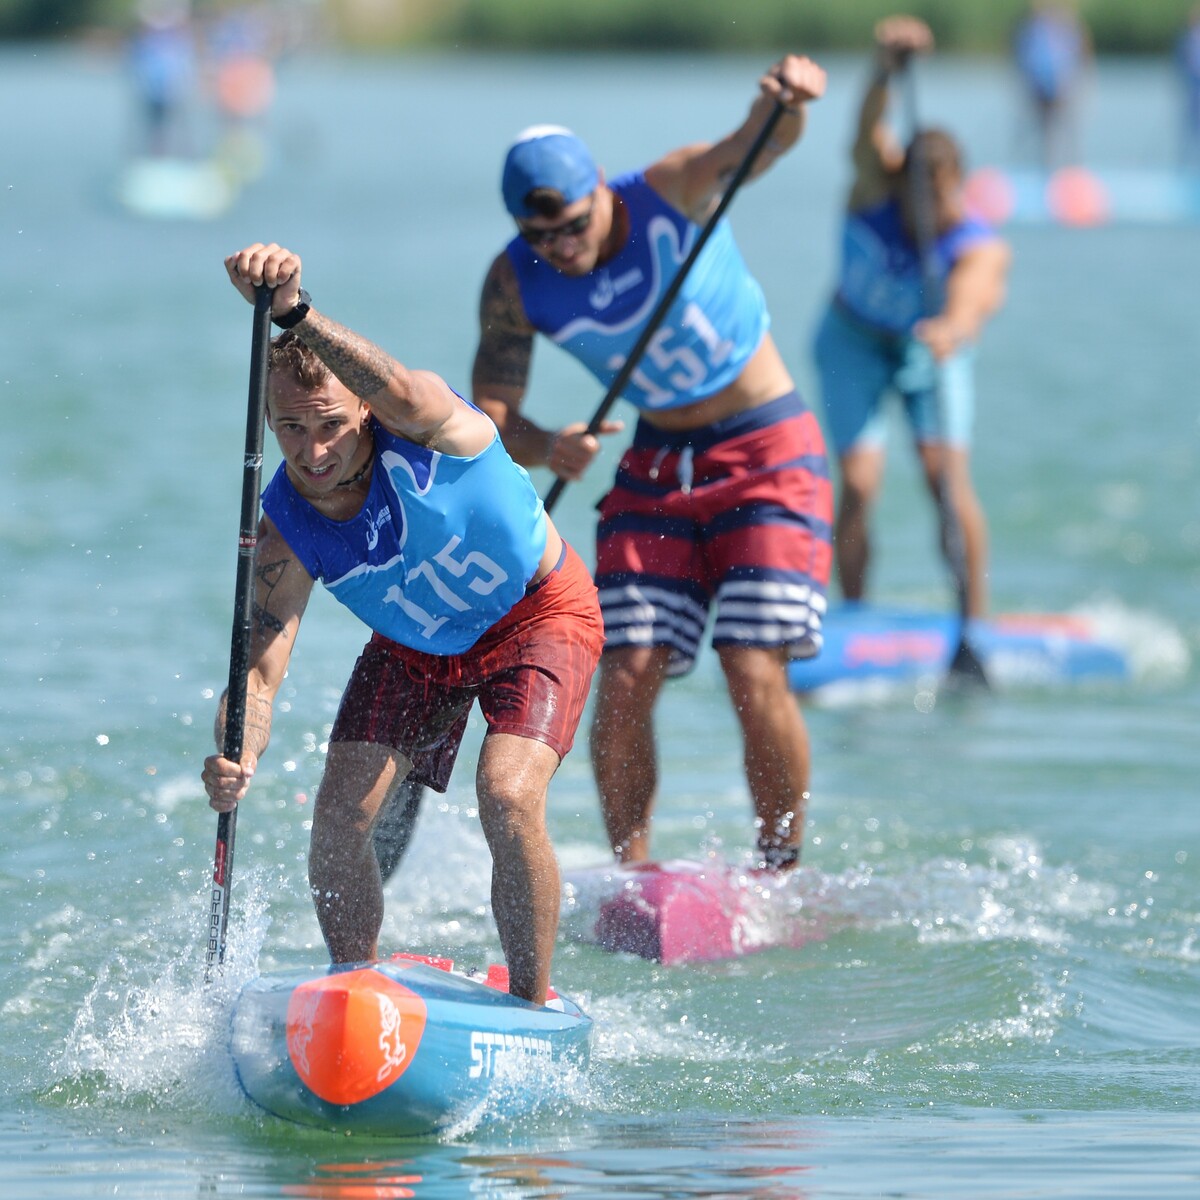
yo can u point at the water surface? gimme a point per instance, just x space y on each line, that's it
1006 1003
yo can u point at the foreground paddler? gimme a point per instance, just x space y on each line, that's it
399 497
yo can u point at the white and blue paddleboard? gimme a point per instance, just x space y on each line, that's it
176 188
398 1048
867 642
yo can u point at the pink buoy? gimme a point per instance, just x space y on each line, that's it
1076 197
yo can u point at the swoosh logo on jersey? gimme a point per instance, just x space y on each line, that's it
603 293
666 255
375 523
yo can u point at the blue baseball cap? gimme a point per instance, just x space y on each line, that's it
546 156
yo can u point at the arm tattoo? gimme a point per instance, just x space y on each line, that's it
257 731
506 339
269 575
503 359
358 363
264 620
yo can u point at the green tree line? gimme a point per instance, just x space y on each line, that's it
971 26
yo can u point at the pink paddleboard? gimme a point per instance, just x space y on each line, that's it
681 911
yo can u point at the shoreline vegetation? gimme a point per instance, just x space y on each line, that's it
1131 27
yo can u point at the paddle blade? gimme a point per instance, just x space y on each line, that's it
965 668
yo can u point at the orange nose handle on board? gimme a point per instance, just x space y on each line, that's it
352 1035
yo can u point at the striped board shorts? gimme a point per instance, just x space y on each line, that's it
740 511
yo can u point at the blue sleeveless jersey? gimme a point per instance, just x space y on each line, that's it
441 549
881 275
714 325
1049 51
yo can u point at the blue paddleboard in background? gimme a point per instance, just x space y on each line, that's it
1077 196
866 642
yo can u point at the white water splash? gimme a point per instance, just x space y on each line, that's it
524 1091
156 1029
1157 651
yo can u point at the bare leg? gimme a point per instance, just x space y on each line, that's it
342 869
969 513
512 779
862 476
776 748
624 758
1047 132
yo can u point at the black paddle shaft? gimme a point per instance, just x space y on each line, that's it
668 297
924 220
239 651
965 663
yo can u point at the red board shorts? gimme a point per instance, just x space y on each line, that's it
740 511
530 673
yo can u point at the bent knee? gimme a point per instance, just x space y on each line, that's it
512 812
755 673
633 673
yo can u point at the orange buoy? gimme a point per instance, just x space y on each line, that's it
245 86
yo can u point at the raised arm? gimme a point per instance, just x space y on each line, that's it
417 405
876 154
501 374
693 177
281 590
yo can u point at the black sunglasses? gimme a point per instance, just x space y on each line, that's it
547 237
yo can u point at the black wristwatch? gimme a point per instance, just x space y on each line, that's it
289 320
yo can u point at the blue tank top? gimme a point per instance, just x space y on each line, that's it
1049 51
881 275
442 548
714 325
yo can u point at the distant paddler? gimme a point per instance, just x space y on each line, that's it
400 498
162 63
1051 49
1187 67
879 337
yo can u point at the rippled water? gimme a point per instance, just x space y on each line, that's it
1003 1000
